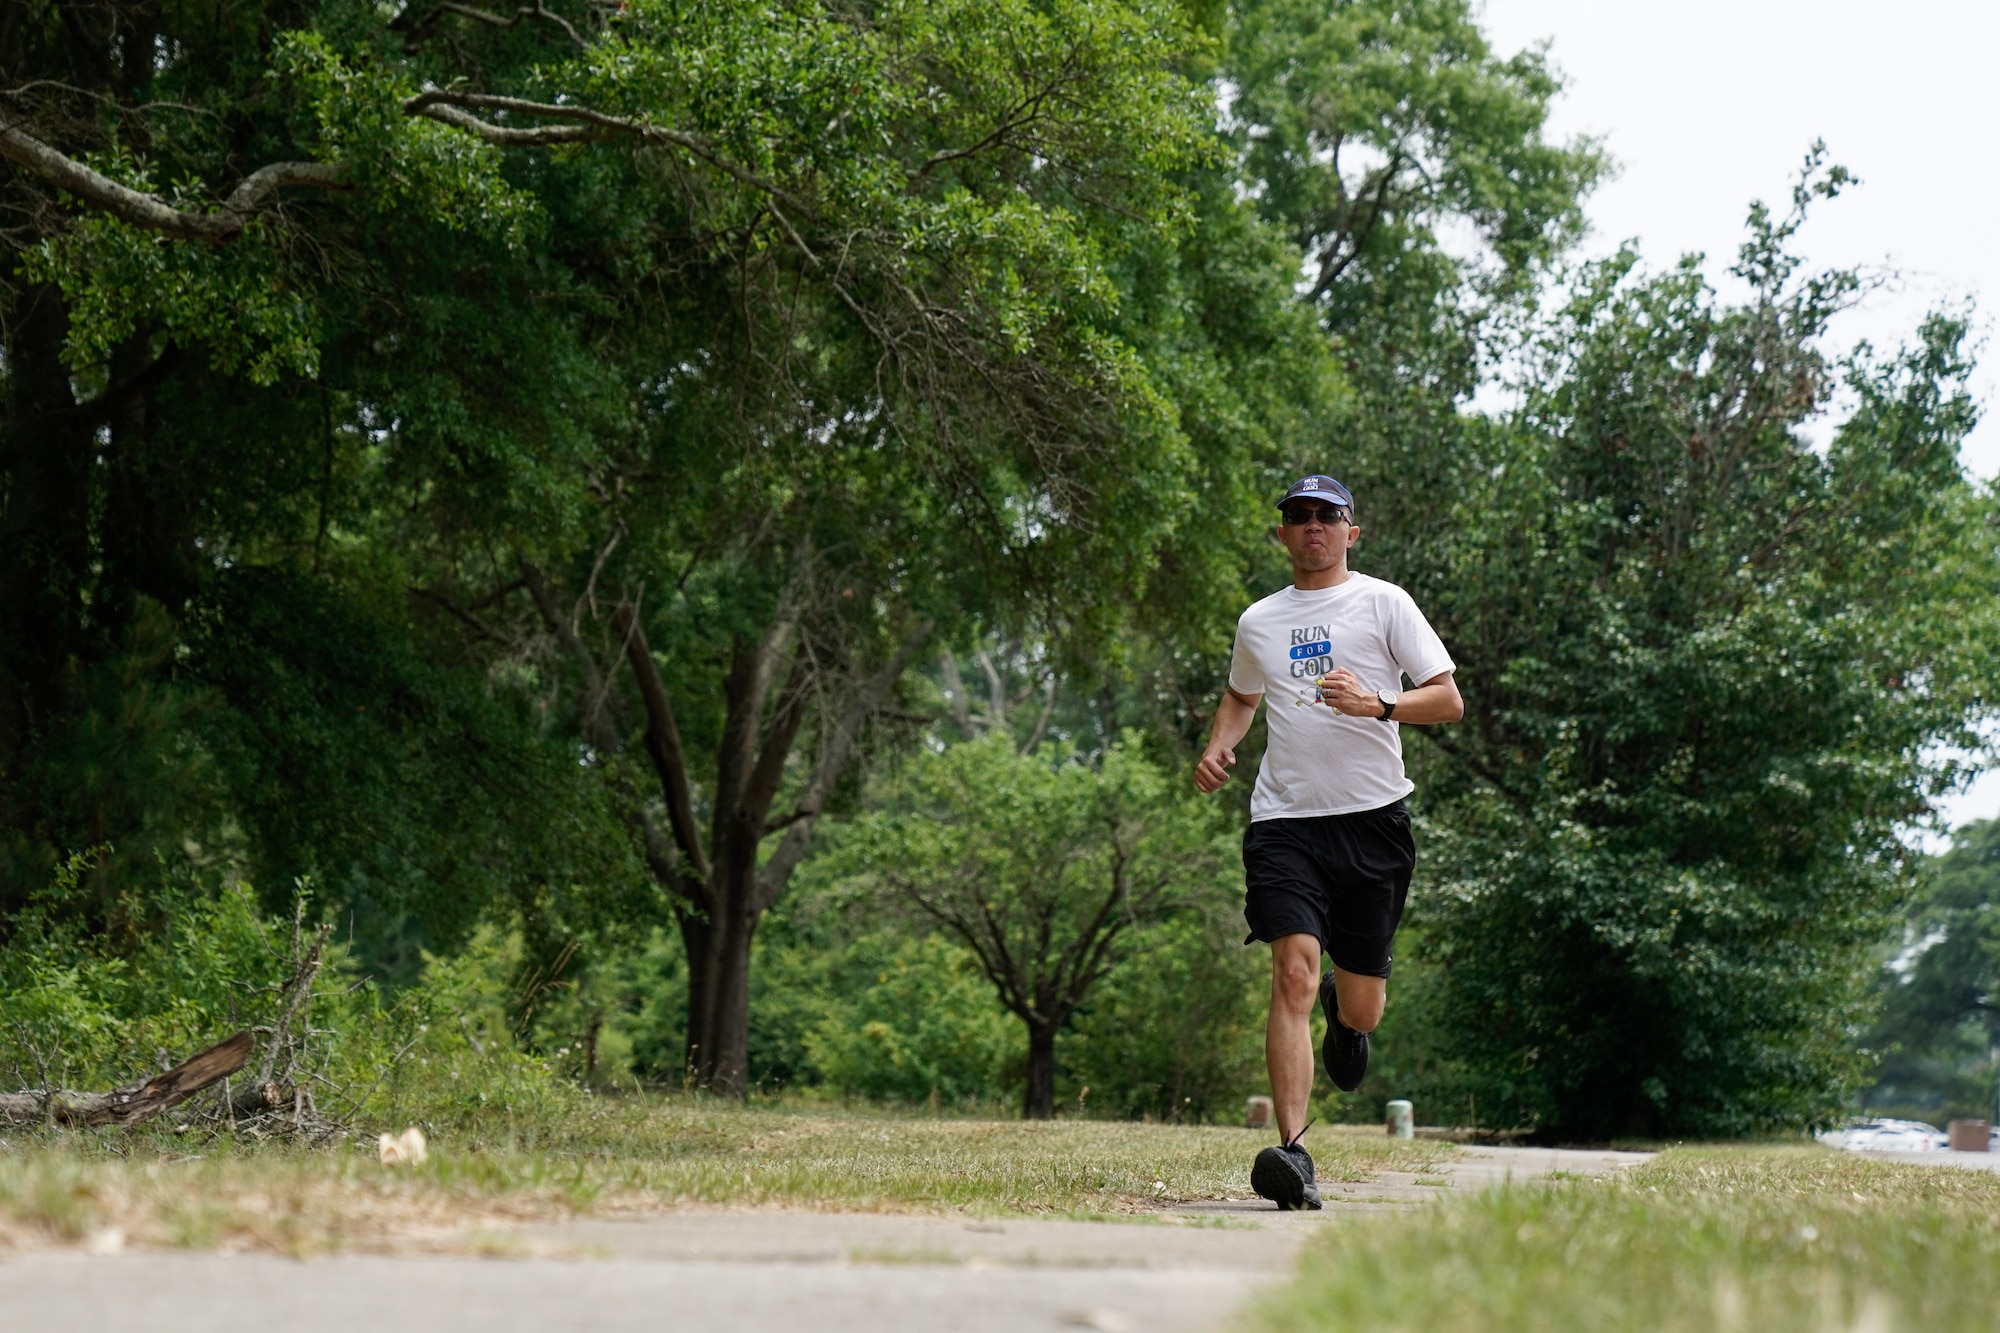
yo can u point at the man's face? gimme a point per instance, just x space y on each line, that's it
1321 540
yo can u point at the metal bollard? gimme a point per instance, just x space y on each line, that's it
1257 1113
1402 1120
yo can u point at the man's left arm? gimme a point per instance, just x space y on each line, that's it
1436 700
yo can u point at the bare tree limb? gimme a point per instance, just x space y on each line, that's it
503 136
148 211
538 10
448 107
463 616
1042 722
996 689
663 739
662 855
436 103
954 691
129 1106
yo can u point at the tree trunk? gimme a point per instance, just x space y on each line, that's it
718 1032
130 1106
1040 1102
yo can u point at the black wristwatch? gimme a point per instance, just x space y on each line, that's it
1389 699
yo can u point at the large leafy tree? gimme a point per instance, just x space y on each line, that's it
1712 669
200 404
1940 1020
1368 125
776 336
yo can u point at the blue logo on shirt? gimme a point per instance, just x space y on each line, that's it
1324 648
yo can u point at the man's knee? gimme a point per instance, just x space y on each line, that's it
1363 1015
1361 1001
1295 979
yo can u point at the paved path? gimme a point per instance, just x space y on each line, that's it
710 1269
1973 1161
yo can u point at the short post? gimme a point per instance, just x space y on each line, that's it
1257 1113
1970 1136
1402 1120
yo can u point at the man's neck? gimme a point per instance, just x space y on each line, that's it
1312 580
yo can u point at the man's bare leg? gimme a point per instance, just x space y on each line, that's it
1361 999
1288 1032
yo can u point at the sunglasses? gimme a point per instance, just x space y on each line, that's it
1297 516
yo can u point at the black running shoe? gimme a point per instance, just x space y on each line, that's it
1285 1176
1344 1052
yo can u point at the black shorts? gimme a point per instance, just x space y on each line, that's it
1340 878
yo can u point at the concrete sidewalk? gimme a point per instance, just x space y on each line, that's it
708 1269
1972 1161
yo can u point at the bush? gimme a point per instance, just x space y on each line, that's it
1177 1032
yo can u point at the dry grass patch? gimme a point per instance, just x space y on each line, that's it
626 1157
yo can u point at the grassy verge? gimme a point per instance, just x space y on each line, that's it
1769 1239
626 1156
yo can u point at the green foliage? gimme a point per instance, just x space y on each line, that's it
84 1010
926 1029
1366 124
232 300
1046 866
1941 1013
1713 665
1176 1032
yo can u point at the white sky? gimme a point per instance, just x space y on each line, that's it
1708 104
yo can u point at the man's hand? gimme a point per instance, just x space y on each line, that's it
1213 770
1345 692
1232 722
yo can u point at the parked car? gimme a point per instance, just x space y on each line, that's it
1886 1136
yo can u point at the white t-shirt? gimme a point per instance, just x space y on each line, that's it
1320 762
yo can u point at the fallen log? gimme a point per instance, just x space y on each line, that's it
129 1106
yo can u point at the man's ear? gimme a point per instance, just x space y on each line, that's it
1353 534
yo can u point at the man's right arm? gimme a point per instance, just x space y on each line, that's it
1232 722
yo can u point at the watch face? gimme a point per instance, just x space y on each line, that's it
1391 697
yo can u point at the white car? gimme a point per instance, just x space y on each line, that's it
1886 1136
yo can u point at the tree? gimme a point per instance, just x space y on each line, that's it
206 413
1367 124
1709 669
1046 866
562 308
1941 1009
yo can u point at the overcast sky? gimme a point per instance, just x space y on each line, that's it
1708 104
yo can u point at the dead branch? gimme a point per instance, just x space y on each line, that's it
131 1105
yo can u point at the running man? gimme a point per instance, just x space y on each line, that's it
1328 855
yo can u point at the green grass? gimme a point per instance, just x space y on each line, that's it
1764 1239
625 1156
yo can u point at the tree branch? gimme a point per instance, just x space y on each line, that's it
538 10
954 691
463 616
437 103
447 107
148 211
662 856
663 738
